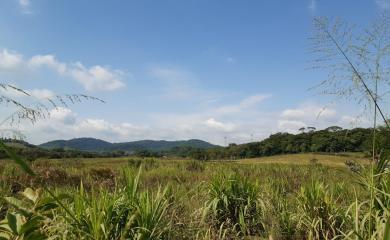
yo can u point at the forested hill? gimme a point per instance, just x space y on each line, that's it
97 145
332 139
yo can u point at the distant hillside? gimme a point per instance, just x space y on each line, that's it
97 145
82 144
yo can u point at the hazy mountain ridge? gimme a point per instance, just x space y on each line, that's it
97 145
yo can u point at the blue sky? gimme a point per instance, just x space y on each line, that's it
173 69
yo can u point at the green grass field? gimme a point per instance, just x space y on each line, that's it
299 196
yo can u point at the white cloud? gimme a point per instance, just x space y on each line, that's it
63 115
64 124
38 94
312 114
49 61
309 112
94 78
383 4
24 3
97 78
10 60
290 125
212 123
253 100
246 103
25 6
41 93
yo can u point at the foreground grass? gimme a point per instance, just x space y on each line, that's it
302 196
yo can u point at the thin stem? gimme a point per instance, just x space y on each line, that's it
367 89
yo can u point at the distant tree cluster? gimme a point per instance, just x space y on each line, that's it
330 140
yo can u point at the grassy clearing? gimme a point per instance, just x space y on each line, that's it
332 160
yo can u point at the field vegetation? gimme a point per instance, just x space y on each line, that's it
302 196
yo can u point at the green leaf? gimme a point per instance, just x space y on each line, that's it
30 194
31 225
36 236
20 205
14 222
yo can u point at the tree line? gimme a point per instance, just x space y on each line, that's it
330 140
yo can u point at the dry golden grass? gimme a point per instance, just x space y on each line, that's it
332 160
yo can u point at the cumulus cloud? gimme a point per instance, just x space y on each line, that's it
25 6
309 112
212 123
63 123
10 60
93 78
49 61
97 77
37 93
63 115
41 93
312 114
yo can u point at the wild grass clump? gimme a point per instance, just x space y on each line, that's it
370 218
318 213
195 166
134 163
101 173
353 166
126 213
313 161
147 163
235 203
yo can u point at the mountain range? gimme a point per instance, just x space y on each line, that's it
97 145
